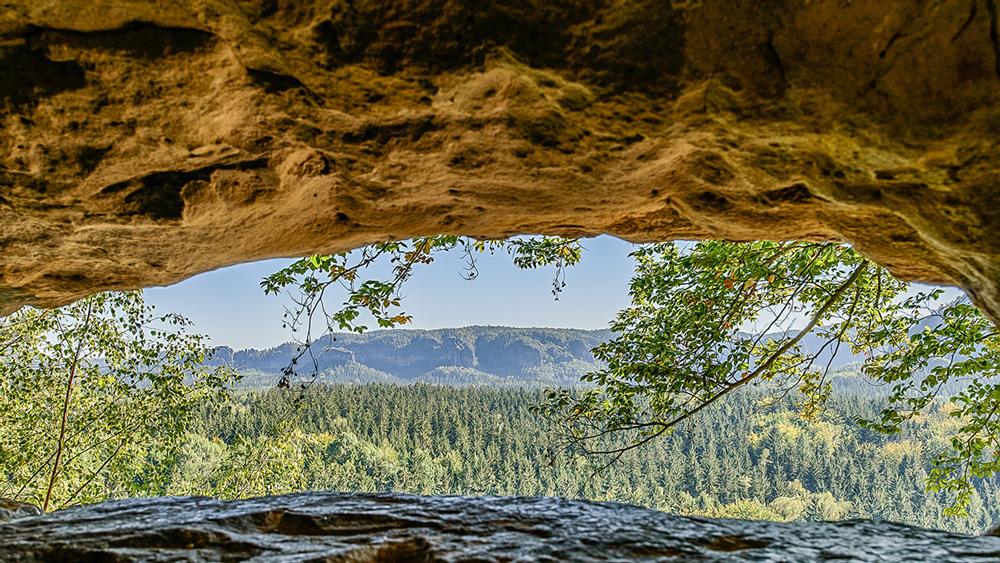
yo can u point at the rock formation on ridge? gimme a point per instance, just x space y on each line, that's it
145 142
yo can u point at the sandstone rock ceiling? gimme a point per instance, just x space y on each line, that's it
144 142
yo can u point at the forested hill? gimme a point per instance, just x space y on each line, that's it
477 355
496 356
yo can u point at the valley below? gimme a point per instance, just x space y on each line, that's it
449 411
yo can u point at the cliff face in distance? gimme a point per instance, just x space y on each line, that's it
474 355
144 142
461 356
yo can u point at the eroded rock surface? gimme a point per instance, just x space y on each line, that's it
12 510
143 142
391 528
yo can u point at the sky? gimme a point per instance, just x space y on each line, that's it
229 306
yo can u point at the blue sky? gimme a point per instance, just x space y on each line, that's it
229 306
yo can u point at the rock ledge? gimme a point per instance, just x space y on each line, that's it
335 527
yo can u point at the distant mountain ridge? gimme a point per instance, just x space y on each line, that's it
506 356
495 356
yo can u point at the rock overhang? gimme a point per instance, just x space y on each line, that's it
144 143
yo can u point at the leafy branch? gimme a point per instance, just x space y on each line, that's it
719 316
310 280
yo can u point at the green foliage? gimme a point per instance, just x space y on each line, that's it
478 355
747 509
737 462
92 392
313 276
801 503
955 343
271 464
712 319
719 316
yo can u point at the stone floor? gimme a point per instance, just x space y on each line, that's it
387 528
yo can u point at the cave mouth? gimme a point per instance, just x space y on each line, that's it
450 402
143 145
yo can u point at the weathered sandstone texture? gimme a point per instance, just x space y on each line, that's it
13 509
143 142
391 528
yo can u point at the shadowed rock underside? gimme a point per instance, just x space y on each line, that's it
143 142
390 528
